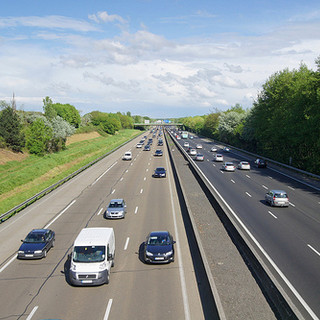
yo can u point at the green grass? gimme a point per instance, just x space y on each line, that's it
16 178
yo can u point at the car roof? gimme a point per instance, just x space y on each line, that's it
116 200
40 231
159 233
278 191
160 168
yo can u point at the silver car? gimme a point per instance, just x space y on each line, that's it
277 198
116 209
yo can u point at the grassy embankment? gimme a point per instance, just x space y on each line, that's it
20 180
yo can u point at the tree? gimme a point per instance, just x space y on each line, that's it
49 110
68 113
11 129
61 129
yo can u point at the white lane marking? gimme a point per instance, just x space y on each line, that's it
121 179
104 173
181 267
32 312
221 171
273 215
131 164
141 190
135 211
213 164
127 170
233 181
100 211
149 164
318 253
208 160
277 269
291 188
106 315
9 262
248 176
270 177
291 204
126 245
113 191
60 214
147 170
248 194
145 178
263 186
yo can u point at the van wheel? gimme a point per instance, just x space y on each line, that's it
108 278
112 263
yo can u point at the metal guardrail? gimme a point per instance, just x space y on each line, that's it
5 216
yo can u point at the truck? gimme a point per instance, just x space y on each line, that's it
92 257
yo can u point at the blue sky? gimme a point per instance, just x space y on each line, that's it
155 58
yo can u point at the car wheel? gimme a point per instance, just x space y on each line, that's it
108 278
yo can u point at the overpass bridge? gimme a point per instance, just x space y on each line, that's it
157 124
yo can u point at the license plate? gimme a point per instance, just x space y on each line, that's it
29 255
86 281
159 258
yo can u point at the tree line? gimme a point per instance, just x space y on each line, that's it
42 133
283 123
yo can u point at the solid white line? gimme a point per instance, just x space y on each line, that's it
273 215
32 312
135 211
59 215
126 245
9 262
281 274
104 173
99 211
248 194
318 253
106 315
263 186
181 270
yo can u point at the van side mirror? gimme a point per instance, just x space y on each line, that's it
110 256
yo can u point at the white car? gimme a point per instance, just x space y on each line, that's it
199 146
226 149
218 157
214 149
228 166
199 157
139 145
127 156
244 165
193 152
186 144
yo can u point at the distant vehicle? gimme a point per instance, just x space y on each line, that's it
186 144
150 141
160 142
139 145
277 198
159 172
199 146
191 137
226 149
199 157
218 157
184 135
228 166
92 257
147 147
158 153
158 247
261 163
36 245
116 209
214 149
142 141
127 156
193 152
244 165
178 137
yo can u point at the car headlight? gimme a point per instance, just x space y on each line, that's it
73 266
148 253
168 253
120 212
102 266
38 251
20 251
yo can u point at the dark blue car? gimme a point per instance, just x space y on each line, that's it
159 173
158 247
37 243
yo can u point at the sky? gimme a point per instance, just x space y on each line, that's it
162 59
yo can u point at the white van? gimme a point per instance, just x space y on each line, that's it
92 257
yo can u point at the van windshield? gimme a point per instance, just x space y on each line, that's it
89 254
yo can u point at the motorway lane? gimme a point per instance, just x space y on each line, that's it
285 233
157 289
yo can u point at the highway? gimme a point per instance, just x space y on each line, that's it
289 237
39 289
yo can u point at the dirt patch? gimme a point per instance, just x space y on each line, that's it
82 136
7 155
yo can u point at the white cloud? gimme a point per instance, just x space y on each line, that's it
103 16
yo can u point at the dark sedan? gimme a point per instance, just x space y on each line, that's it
158 153
158 247
159 173
37 243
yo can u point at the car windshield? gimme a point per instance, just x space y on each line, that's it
35 238
89 254
158 240
115 205
280 195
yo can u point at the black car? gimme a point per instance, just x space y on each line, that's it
160 143
37 243
158 153
147 147
158 247
159 173
261 163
